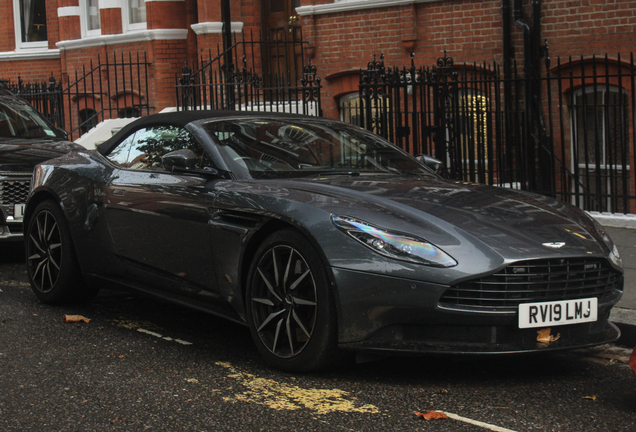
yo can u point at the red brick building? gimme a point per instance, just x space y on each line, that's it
41 37
60 38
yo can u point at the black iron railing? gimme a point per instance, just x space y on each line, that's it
577 144
114 88
573 139
264 75
45 97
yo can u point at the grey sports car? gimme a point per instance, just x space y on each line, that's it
323 238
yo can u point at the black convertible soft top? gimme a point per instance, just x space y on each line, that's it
182 118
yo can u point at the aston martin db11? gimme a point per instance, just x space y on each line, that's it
322 237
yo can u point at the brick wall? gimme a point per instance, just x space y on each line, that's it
110 21
469 31
166 14
30 70
52 24
342 43
7 29
580 27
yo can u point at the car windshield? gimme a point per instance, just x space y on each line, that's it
20 120
270 148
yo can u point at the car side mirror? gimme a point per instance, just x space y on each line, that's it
185 161
179 160
63 132
429 161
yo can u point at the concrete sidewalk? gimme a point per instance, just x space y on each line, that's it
624 313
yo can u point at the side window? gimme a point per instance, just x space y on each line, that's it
119 155
143 150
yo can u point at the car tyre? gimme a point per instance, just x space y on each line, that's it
54 273
290 306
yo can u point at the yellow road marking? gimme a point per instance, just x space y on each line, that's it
285 397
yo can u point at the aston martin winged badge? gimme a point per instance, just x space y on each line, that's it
554 245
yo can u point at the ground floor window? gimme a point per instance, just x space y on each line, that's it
600 128
88 119
30 21
471 134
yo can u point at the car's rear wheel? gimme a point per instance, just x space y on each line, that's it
52 266
290 306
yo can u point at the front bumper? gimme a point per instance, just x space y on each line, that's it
391 315
14 189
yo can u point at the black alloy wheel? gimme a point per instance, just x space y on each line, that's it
52 266
290 307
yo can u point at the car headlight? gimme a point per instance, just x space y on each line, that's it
393 244
614 255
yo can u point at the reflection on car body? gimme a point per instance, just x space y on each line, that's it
320 236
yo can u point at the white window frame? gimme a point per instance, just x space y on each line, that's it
17 24
127 26
83 5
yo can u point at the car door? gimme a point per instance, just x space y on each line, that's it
158 219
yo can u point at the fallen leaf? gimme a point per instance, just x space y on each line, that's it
75 319
590 397
432 415
544 336
632 361
192 380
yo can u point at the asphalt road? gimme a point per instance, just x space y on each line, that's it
142 365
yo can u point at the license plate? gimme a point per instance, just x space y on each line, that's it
557 313
18 211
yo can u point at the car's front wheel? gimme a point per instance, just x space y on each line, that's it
52 266
290 306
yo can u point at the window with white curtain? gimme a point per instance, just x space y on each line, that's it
30 23
89 18
92 15
133 14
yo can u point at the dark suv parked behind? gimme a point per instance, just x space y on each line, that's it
26 139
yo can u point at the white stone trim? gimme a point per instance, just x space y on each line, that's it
130 37
617 220
215 27
150 1
354 5
109 4
68 11
31 54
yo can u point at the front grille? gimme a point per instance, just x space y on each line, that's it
13 192
536 281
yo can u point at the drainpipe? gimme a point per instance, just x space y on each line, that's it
536 178
227 43
508 54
